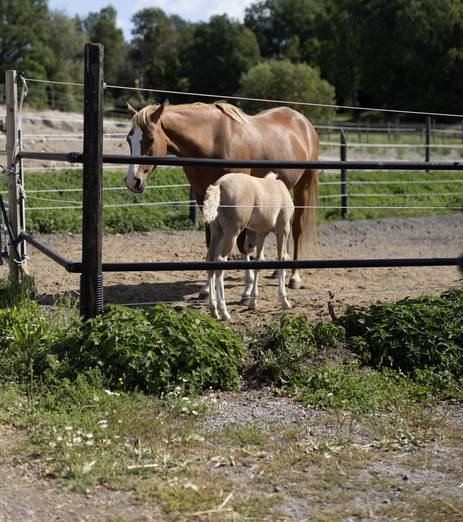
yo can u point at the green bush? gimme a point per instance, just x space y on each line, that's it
411 335
292 343
283 80
156 350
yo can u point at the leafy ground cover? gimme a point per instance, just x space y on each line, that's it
392 191
125 401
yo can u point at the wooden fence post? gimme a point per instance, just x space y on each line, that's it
91 280
344 191
13 186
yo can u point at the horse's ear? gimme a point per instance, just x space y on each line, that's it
131 110
159 110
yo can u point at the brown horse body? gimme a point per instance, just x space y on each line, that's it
222 131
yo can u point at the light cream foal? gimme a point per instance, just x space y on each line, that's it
260 205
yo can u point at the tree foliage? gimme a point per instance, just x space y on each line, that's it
287 28
156 51
23 27
221 50
402 53
413 54
281 79
101 28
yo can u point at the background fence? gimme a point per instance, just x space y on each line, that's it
92 190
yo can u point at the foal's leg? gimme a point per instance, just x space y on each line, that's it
248 249
283 255
229 235
260 239
211 275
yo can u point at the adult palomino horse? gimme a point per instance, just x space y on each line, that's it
236 202
222 131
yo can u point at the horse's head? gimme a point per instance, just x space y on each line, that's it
146 138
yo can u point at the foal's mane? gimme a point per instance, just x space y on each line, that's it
142 118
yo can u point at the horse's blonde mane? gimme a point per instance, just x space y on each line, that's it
233 112
142 118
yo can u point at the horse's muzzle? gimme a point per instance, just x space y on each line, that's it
138 188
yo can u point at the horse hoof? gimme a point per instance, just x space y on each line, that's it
226 316
252 305
286 305
295 284
244 299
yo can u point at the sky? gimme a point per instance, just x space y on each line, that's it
191 10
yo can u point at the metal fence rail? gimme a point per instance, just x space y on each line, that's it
91 267
78 157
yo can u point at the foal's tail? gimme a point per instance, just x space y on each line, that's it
211 203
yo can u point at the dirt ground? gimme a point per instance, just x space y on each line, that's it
387 238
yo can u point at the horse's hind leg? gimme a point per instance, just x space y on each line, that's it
305 218
249 248
260 239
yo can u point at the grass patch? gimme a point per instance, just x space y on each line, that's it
394 190
115 219
359 390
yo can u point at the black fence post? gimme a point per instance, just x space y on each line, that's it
193 207
344 192
428 141
91 281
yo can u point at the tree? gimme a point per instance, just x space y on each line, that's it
101 28
283 80
157 49
413 54
287 28
340 51
22 26
221 50
64 64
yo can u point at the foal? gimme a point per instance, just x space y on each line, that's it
260 205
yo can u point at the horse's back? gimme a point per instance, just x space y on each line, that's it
290 121
256 203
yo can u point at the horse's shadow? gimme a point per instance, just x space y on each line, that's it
133 294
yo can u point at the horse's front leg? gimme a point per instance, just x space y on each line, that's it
222 305
212 291
204 291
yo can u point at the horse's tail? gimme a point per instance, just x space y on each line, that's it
306 196
211 203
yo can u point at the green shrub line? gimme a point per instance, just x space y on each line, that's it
368 359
